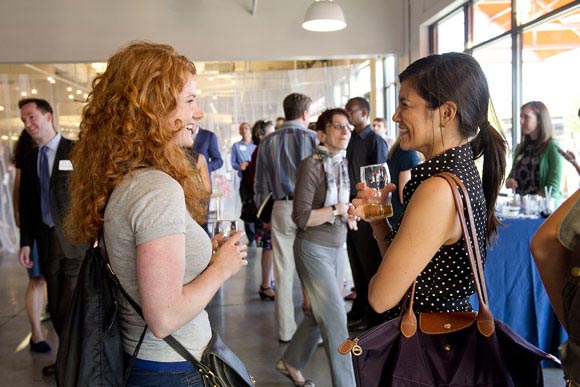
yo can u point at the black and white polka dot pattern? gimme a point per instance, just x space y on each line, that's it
446 283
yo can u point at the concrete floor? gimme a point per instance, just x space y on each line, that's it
244 321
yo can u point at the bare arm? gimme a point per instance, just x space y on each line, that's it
570 157
404 177
424 229
167 303
551 257
325 214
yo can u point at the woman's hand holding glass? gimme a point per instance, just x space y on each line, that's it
376 177
229 253
370 197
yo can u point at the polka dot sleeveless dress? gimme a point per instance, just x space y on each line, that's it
446 283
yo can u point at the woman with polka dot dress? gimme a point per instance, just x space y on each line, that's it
442 113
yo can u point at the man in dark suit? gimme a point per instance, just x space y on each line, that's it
44 203
205 142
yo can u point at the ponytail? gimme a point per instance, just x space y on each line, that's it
491 144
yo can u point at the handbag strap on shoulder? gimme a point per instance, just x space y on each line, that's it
485 322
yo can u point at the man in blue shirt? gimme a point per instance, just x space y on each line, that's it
365 148
279 157
241 156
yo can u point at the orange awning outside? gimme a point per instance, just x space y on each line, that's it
550 38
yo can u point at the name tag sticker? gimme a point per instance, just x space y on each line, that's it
243 148
65 165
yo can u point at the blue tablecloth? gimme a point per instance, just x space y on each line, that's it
516 293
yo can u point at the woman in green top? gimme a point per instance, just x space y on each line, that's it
537 165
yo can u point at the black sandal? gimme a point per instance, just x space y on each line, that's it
281 367
264 296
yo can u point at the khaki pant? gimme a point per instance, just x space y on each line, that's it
283 235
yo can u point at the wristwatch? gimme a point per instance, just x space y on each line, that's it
335 215
334 211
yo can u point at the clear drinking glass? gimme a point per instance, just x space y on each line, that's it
377 177
225 227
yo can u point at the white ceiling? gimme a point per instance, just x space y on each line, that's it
205 30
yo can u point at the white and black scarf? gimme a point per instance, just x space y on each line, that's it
337 181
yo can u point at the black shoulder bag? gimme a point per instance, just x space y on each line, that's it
90 351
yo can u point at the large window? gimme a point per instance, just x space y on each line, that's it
495 60
529 10
451 33
490 18
391 95
535 59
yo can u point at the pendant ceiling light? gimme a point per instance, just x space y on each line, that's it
324 15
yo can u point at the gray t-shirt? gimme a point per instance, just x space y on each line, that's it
570 228
147 205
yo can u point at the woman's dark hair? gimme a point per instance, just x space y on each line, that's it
259 131
458 78
326 118
545 127
22 148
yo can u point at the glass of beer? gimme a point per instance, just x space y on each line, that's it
377 177
225 227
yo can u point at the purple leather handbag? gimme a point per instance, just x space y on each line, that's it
459 349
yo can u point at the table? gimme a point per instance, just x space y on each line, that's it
516 293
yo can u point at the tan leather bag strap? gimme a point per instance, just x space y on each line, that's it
485 323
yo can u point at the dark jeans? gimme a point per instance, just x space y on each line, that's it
364 257
61 275
249 228
144 378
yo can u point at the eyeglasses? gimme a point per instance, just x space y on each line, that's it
352 110
349 127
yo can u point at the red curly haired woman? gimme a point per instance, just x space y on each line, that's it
135 181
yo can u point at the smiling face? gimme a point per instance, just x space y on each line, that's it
336 135
186 115
417 123
529 123
37 123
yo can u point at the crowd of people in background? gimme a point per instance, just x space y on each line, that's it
147 187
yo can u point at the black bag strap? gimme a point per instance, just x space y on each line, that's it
170 340
113 277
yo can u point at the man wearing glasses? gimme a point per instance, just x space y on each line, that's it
365 148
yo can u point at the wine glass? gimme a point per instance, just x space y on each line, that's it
225 227
377 177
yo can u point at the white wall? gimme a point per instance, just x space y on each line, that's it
204 30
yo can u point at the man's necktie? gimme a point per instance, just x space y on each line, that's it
44 179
